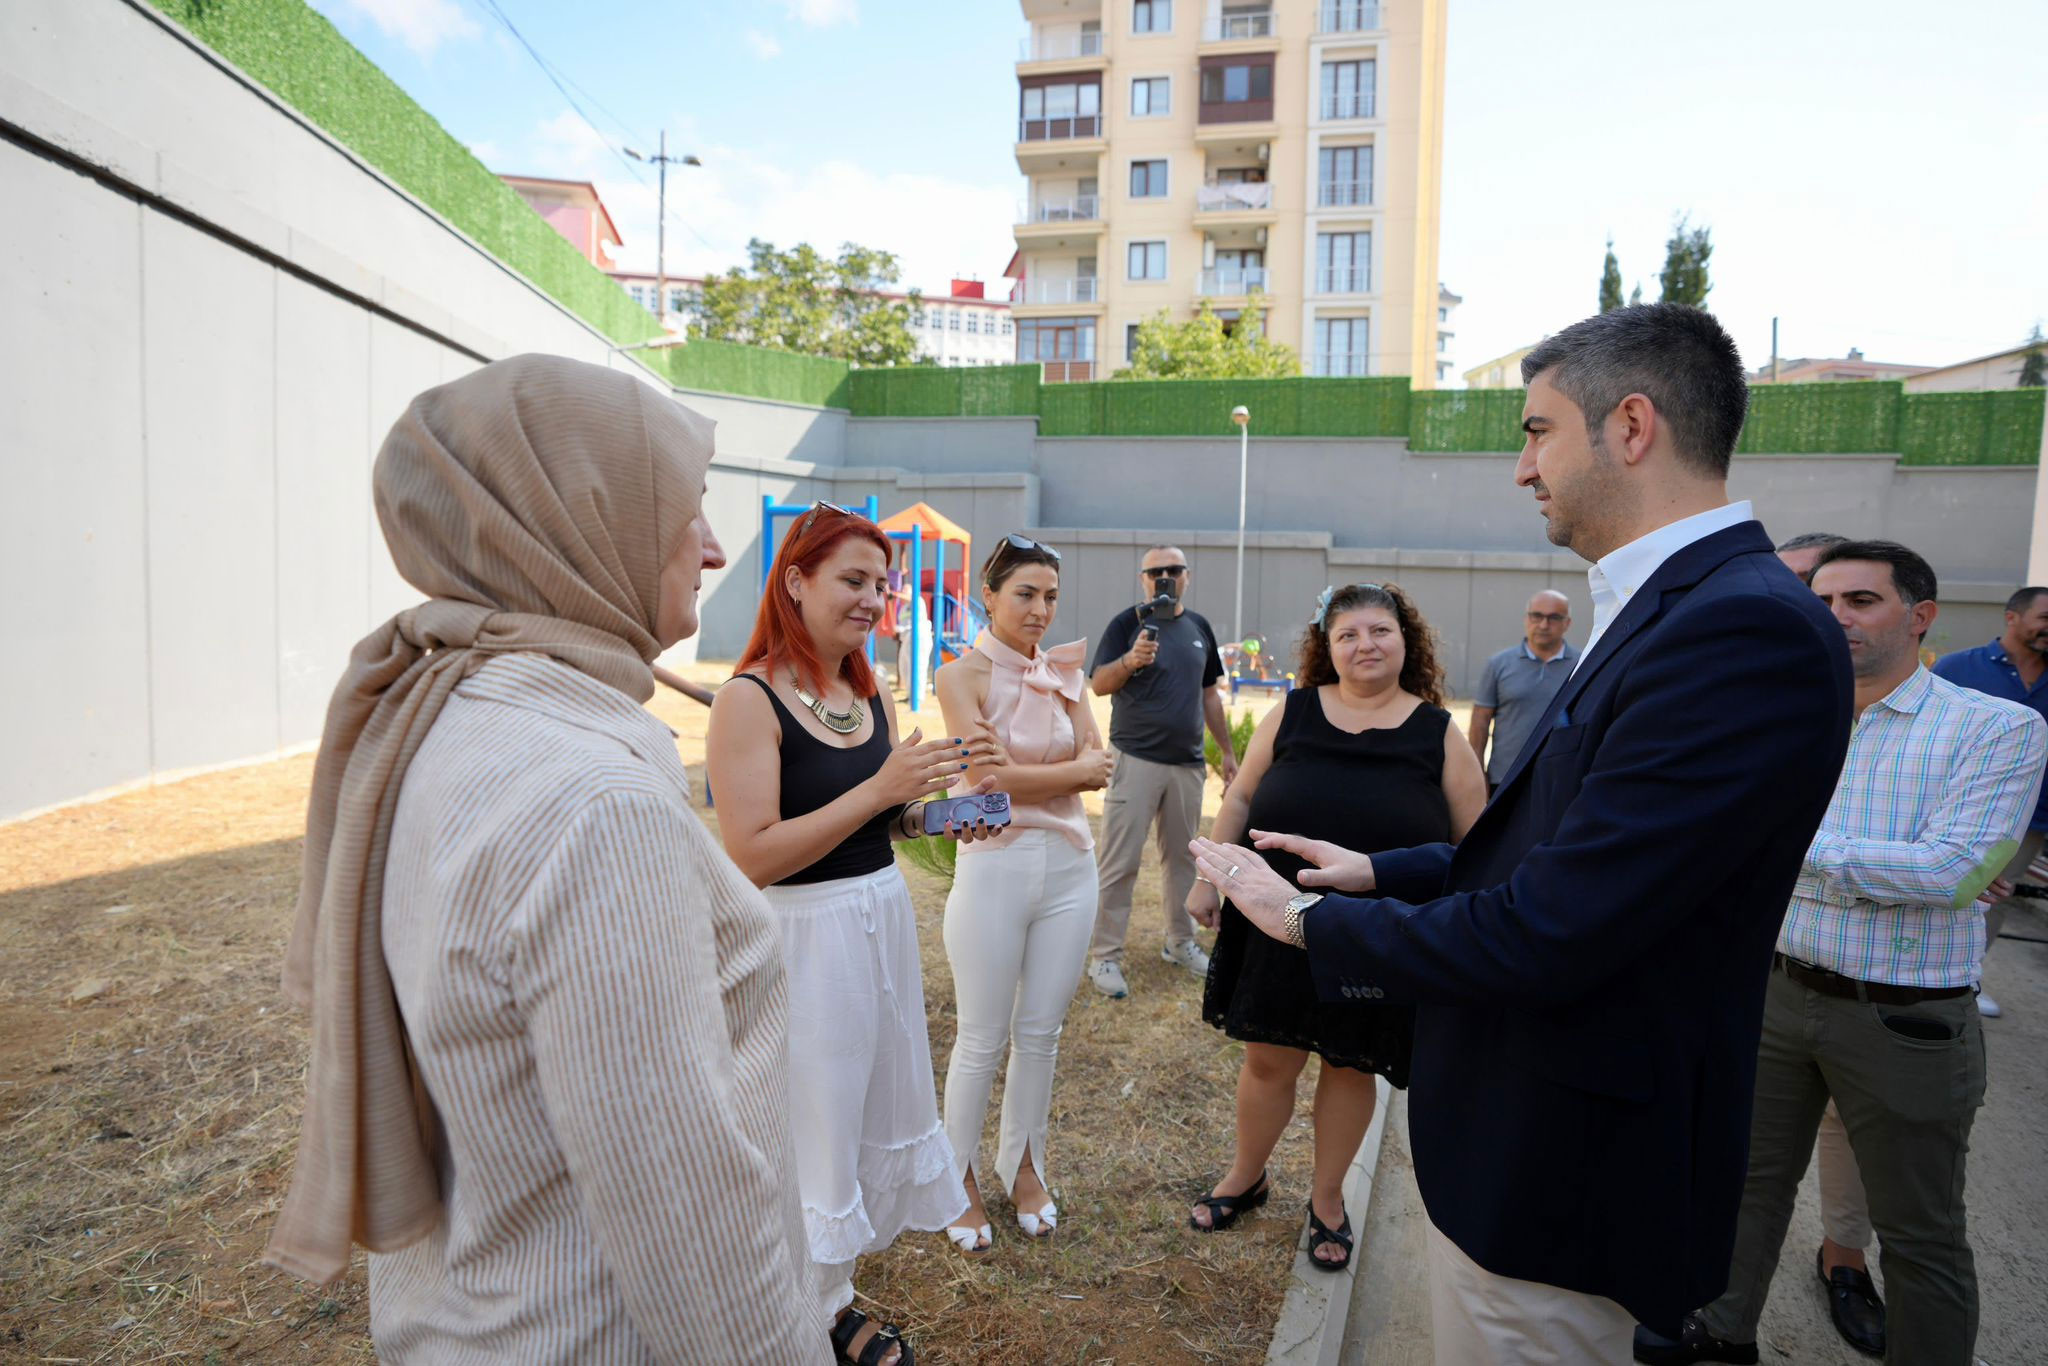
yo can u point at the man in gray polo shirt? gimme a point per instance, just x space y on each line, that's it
1519 683
1159 668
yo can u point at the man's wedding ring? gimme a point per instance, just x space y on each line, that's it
1233 871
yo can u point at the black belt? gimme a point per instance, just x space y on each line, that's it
1853 989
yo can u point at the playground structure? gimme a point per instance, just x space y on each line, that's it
1246 664
929 614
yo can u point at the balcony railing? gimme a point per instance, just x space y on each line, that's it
1054 47
1078 208
1357 105
1068 371
1226 281
1233 198
1227 27
1349 16
1351 364
1343 193
1343 280
1059 127
1080 290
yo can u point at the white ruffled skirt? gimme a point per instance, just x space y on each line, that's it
872 1158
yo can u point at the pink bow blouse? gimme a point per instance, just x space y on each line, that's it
1027 705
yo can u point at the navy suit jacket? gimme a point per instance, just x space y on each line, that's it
1590 962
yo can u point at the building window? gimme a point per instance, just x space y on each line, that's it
1130 342
1348 89
639 293
1237 84
1344 176
1343 262
1443 343
1151 96
1147 261
953 320
1341 346
1064 346
1152 16
974 323
1443 315
1067 109
677 301
1148 179
1006 325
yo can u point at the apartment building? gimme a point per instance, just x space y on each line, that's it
1446 305
1182 151
959 327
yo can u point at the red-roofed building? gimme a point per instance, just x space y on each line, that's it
573 209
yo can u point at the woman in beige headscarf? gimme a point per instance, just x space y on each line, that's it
546 1088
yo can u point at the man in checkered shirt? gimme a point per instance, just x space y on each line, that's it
1870 998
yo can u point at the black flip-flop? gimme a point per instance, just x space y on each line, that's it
887 1336
1320 1234
1224 1210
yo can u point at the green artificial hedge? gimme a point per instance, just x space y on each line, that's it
308 64
945 391
1201 407
1803 419
756 371
1467 420
1985 427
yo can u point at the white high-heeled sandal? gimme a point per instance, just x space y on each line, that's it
1039 1224
964 1239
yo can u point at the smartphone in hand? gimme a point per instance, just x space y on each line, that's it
985 808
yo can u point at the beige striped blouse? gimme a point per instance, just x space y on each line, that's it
596 999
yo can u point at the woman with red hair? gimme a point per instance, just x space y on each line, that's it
812 788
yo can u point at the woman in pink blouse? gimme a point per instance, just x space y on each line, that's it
1023 901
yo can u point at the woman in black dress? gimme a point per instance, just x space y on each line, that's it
1362 752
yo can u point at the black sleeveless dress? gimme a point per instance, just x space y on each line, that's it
815 774
1379 789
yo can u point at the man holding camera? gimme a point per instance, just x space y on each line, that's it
1158 663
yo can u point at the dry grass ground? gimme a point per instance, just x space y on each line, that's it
151 1077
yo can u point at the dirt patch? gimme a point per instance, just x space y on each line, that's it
147 1128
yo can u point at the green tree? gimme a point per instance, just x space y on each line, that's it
1685 265
1610 281
1635 296
1200 348
2034 368
802 300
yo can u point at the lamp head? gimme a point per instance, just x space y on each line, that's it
1240 415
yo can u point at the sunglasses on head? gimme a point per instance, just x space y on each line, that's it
1015 544
822 506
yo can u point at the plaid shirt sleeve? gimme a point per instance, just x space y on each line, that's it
1970 833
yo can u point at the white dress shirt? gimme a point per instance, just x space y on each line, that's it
1620 574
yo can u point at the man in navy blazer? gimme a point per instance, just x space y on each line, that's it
1590 962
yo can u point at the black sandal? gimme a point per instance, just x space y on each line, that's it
1320 1234
887 1336
1224 1210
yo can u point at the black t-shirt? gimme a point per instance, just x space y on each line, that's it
1157 715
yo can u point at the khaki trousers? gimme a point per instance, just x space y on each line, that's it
1142 794
1907 1081
2016 871
1480 1319
1844 1208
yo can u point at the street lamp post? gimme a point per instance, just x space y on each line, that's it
1242 416
661 160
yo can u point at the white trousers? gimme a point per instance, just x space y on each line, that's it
1480 1319
1017 926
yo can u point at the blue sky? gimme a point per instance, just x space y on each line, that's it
1872 172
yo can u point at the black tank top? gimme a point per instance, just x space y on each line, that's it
815 774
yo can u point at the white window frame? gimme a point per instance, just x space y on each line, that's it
1160 110
1147 243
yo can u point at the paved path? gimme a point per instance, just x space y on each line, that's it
2008 1193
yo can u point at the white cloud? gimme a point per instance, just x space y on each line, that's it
823 13
763 45
421 25
487 151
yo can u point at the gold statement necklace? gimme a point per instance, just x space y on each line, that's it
838 722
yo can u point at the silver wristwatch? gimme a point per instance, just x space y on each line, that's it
1290 922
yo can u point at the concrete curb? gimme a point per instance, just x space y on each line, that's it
1310 1330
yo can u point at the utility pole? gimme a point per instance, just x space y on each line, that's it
1242 417
661 160
1774 350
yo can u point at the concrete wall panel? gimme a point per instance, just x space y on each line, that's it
209 337
939 445
72 529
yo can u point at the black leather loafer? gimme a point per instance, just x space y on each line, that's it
1694 1343
1854 1305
